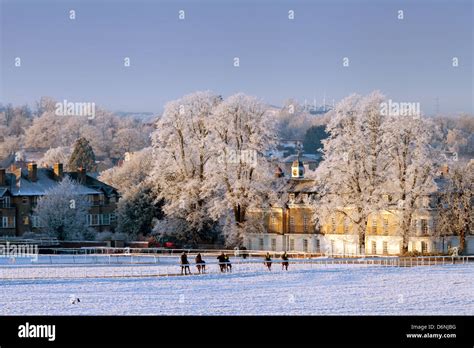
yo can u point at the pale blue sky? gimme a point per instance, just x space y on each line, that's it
82 60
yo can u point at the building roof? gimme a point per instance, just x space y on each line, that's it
306 158
300 185
22 186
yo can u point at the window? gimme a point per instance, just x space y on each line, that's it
35 222
105 219
305 223
100 219
24 200
374 247
274 244
8 222
346 225
305 245
374 225
318 246
292 223
292 244
96 200
260 243
93 219
424 247
333 224
385 225
385 248
113 217
273 219
5 202
34 201
424 226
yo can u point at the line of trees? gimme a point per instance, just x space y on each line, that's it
373 162
210 165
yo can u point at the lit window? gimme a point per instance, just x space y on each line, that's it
385 225
424 226
374 225
305 245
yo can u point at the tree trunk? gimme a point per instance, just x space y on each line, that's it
362 231
462 240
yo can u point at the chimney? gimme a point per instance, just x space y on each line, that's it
81 175
3 181
58 171
32 172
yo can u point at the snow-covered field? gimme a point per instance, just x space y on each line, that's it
304 290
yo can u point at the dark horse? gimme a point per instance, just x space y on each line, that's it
200 263
268 262
185 264
224 263
284 263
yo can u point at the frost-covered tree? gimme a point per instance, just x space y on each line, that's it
410 175
82 156
44 132
181 149
129 139
353 171
56 155
239 175
9 145
62 211
131 173
455 213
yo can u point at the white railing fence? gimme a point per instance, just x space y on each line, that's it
169 266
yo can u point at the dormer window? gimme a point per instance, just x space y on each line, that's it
5 202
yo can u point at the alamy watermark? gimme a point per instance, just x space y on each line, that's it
19 251
243 156
67 108
392 108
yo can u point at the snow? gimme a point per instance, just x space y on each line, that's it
303 290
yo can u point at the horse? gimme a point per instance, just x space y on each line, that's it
201 267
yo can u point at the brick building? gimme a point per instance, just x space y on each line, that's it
20 190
